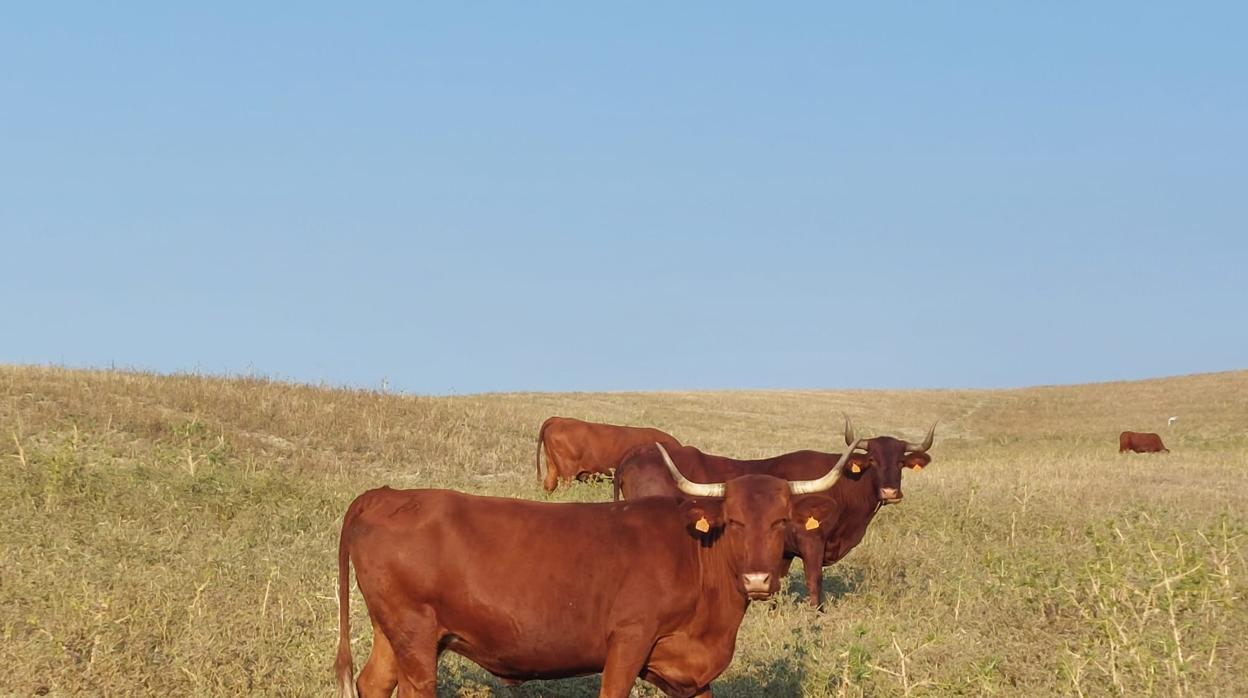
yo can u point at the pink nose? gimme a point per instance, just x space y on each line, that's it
757 583
890 494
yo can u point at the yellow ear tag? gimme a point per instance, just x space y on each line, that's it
703 525
917 468
812 523
854 468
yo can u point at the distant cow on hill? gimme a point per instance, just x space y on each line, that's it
1140 442
575 448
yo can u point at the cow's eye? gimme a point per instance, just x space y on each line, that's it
778 523
734 522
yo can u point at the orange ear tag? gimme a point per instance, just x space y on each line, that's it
703 525
917 468
812 523
854 468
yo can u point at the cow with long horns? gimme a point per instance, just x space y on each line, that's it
662 584
872 479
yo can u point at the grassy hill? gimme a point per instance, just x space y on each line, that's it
176 534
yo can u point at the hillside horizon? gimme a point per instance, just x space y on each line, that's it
327 385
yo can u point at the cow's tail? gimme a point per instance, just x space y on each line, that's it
541 435
344 668
617 477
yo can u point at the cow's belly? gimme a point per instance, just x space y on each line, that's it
516 664
548 650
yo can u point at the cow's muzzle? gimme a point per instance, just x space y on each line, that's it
757 585
890 495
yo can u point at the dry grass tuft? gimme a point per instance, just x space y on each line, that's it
176 534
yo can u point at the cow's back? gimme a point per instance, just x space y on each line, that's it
646 475
611 442
798 465
581 446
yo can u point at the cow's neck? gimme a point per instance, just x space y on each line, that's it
859 501
720 606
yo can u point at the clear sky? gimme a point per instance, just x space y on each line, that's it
552 196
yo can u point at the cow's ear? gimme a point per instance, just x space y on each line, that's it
916 461
858 462
815 511
703 516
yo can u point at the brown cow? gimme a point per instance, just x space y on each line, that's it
660 585
873 479
1140 442
575 449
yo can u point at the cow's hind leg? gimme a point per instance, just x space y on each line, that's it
381 672
416 653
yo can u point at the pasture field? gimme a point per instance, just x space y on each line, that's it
176 535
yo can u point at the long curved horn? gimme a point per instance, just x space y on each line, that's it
927 442
693 489
825 482
849 430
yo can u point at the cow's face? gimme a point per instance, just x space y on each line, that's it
882 464
884 459
751 522
748 518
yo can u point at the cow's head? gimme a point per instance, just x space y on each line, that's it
885 457
750 516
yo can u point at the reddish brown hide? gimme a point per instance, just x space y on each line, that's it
871 479
1140 442
575 448
659 585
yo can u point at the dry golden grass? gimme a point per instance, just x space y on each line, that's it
176 535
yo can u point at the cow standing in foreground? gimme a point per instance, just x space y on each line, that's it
575 448
1140 442
873 479
660 586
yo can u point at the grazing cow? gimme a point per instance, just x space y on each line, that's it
575 449
658 590
1140 442
873 479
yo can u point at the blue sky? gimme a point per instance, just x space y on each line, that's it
661 196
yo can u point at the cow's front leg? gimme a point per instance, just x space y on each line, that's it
811 548
627 649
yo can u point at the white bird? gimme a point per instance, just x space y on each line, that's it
1170 422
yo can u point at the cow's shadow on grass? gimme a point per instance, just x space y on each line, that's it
838 581
584 687
460 678
780 677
